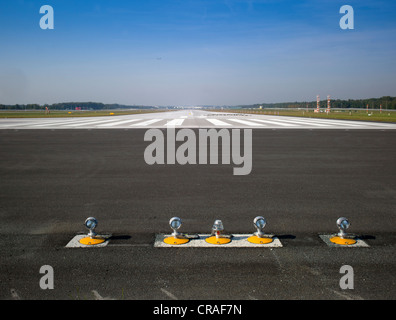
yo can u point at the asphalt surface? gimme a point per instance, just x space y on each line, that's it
301 182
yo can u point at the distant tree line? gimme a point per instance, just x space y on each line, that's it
387 102
71 106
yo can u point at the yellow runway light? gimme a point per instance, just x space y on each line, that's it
217 240
175 241
217 237
176 238
342 241
91 241
91 238
342 237
259 240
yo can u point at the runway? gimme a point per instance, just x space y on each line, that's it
302 180
190 119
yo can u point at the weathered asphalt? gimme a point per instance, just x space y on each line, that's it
302 181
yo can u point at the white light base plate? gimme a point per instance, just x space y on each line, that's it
75 242
326 239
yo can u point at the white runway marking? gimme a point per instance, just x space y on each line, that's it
60 121
276 122
217 122
89 123
247 123
99 297
175 122
197 119
170 295
117 123
15 295
306 122
146 123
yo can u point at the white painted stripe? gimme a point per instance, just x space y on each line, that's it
61 122
99 297
350 123
170 295
146 123
248 123
280 123
334 122
18 124
217 122
15 295
116 123
307 122
88 123
330 122
175 122
31 122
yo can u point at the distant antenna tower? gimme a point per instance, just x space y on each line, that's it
317 103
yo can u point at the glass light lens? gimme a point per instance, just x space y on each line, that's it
343 223
218 225
91 223
175 223
260 222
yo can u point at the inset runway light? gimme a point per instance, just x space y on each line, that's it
91 239
342 237
260 237
216 236
176 238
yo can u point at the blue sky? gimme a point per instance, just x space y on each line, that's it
186 52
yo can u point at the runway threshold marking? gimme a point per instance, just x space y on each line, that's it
217 122
307 122
116 123
276 122
146 123
175 122
246 122
90 122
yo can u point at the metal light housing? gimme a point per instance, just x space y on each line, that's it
259 222
176 238
342 224
175 223
217 227
91 224
217 237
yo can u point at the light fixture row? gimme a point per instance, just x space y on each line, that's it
259 237
218 236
